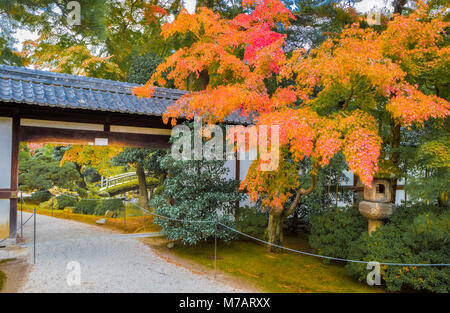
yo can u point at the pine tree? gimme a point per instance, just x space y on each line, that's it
195 190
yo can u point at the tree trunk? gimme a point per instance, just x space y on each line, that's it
143 196
151 190
82 183
277 216
275 230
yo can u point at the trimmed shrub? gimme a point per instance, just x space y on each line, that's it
113 205
197 190
66 201
86 206
40 196
333 230
47 205
99 207
251 221
416 234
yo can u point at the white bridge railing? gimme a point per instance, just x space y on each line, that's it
119 179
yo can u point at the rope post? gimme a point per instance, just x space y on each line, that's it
21 215
215 248
125 213
34 237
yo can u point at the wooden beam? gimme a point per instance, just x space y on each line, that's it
86 137
28 111
60 124
8 194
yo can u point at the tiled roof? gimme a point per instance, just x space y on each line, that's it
23 85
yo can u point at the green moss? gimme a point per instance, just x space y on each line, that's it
276 272
3 275
2 279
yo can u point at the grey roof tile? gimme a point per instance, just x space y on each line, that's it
23 85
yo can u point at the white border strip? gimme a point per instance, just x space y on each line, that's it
140 130
60 124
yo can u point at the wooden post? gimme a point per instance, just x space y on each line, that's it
14 176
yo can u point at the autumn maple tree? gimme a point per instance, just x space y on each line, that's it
98 157
326 102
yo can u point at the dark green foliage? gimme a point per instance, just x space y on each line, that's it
195 190
324 194
42 171
40 196
251 221
65 201
142 67
316 20
86 206
158 190
424 153
99 206
415 234
333 230
92 175
113 205
147 157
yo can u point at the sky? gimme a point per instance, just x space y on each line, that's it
363 7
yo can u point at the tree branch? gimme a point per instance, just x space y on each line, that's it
303 192
352 91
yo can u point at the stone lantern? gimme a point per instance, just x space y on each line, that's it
377 204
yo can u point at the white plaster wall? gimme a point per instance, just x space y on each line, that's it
5 151
4 218
5 171
244 166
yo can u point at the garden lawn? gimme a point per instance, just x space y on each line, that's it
276 272
2 279
2 274
134 224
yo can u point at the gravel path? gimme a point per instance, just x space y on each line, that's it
106 264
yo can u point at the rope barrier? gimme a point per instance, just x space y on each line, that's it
19 228
138 235
293 250
323 256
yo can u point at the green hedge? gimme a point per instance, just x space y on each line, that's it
40 196
65 201
86 206
333 229
99 207
251 221
417 234
113 205
413 234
